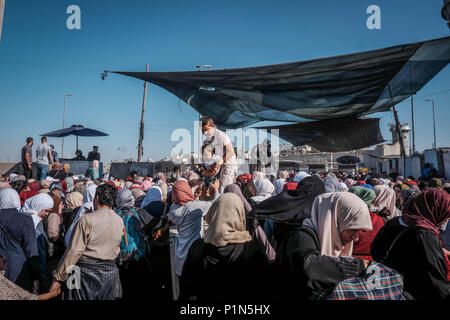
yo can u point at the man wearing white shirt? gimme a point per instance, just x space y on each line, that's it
223 147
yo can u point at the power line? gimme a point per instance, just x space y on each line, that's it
49 66
432 94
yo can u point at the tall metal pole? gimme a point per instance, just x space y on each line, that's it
64 123
434 122
2 10
141 128
400 135
434 125
413 131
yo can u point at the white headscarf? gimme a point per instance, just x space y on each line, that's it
153 194
300 176
9 199
333 213
342 187
88 204
264 189
278 184
34 205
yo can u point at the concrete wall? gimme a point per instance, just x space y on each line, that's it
401 167
416 166
446 161
79 167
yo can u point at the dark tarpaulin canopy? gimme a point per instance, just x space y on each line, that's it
75 130
332 135
342 86
348 160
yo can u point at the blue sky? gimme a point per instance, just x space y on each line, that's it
174 35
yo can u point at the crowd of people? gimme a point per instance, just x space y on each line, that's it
296 235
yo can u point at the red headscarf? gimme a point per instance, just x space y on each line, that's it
412 182
428 210
64 185
182 193
244 178
290 186
26 194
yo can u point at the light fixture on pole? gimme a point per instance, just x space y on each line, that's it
434 122
64 123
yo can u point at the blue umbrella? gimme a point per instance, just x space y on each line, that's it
75 130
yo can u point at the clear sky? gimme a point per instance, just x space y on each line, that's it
174 35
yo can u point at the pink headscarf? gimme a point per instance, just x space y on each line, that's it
349 182
146 184
95 164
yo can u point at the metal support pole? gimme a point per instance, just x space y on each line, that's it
434 125
141 128
64 123
400 135
413 131
2 10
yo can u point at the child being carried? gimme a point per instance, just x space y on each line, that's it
210 175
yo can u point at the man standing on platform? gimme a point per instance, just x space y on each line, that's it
94 154
223 147
43 154
27 158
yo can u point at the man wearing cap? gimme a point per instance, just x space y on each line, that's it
94 154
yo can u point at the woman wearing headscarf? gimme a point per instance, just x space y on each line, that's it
164 189
361 248
151 209
263 190
283 174
38 207
88 206
57 171
409 194
139 196
287 210
18 241
398 196
342 187
227 263
93 171
331 184
74 201
252 224
153 202
299 176
66 168
80 187
188 217
412 245
146 184
278 184
53 226
349 182
384 203
33 189
133 268
318 254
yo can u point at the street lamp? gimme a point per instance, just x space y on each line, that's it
64 123
434 122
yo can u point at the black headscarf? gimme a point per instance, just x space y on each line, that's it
290 206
